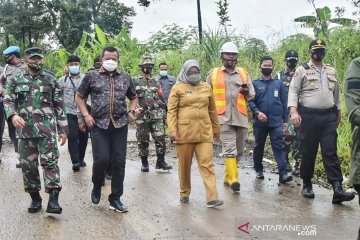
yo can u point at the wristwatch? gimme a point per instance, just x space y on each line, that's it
132 111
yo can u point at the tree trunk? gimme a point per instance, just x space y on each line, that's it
199 21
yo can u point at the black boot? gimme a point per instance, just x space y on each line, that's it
35 205
144 164
339 194
53 205
161 164
296 170
357 188
96 194
307 190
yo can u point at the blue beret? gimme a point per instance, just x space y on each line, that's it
11 50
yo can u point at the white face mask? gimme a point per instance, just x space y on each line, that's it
109 65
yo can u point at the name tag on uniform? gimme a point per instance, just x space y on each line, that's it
276 93
188 92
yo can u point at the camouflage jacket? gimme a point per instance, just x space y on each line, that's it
149 99
285 76
38 100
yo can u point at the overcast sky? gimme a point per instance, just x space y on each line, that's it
256 18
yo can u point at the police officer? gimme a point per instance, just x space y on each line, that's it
232 88
35 106
14 65
152 117
285 75
352 100
314 104
270 117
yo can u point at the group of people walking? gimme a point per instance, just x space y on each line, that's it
299 108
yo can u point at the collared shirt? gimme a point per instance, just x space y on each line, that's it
69 91
166 83
270 99
38 100
8 72
314 88
108 94
233 82
147 90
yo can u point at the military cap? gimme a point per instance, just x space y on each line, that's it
146 60
35 51
291 54
317 44
11 50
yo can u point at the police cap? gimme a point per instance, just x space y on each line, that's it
31 52
291 54
317 44
11 50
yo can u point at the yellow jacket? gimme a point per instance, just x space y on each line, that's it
192 113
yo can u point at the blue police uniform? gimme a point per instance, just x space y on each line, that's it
270 99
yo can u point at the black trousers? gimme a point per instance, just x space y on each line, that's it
2 122
109 145
319 127
77 140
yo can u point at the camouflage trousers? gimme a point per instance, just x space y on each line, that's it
292 143
156 128
45 149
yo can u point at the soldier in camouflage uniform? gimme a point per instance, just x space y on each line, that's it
151 120
35 106
285 75
14 65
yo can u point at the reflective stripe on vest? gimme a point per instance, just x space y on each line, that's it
218 83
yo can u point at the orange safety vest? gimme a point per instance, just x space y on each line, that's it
218 84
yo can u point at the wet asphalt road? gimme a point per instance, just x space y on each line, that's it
271 211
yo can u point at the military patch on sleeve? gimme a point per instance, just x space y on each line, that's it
353 84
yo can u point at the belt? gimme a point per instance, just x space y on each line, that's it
313 110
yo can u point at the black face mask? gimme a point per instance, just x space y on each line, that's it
8 59
291 63
229 63
318 56
146 70
266 71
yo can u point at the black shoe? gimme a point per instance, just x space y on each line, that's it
117 205
53 205
214 203
96 195
260 175
184 199
357 188
339 194
144 164
307 191
35 205
82 164
285 179
76 167
162 165
18 165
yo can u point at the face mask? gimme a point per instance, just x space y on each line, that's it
35 66
163 73
229 63
74 70
110 65
266 71
318 56
194 79
146 70
8 60
291 63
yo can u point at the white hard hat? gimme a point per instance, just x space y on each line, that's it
229 47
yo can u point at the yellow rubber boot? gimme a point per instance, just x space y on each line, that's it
231 167
226 178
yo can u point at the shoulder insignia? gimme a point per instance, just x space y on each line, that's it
305 65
